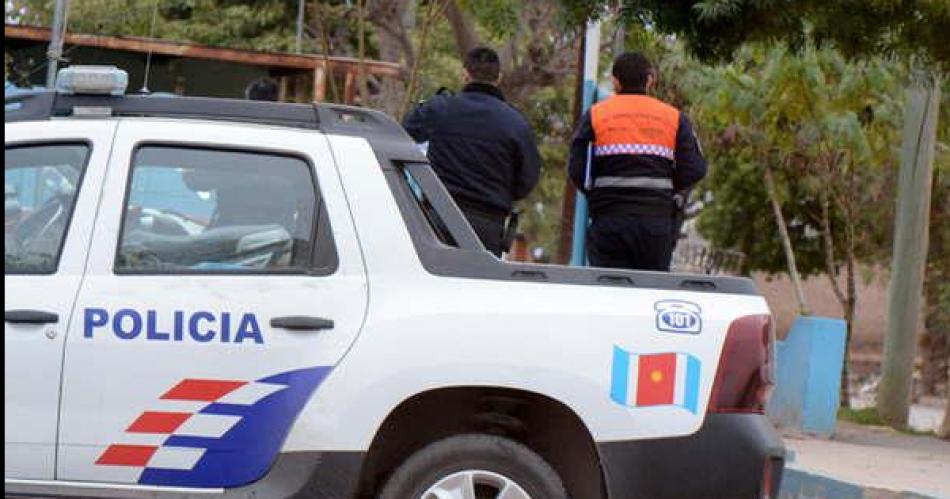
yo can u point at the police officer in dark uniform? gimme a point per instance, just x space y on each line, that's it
481 147
631 154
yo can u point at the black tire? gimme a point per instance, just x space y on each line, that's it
474 452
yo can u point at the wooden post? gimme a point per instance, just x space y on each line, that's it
301 92
319 84
349 87
911 241
283 89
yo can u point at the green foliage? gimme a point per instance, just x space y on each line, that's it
496 18
268 25
717 29
548 111
548 107
867 416
441 65
828 127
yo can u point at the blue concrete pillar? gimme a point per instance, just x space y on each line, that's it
808 376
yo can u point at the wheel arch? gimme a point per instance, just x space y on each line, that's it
546 425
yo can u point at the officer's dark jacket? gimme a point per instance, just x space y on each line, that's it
641 151
480 146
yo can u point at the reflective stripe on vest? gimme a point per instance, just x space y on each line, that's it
639 182
636 125
651 149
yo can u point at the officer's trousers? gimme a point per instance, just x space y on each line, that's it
489 227
637 242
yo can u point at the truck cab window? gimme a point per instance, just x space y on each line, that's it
424 204
205 210
40 187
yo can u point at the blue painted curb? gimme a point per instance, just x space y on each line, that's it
797 484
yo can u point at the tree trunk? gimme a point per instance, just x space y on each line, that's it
847 297
320 22
796 277
851 305
850 311
462 28
394 19
910 251
391 20
361 74
944 430
935 343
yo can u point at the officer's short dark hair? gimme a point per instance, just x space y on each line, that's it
632 70
262 89
483 65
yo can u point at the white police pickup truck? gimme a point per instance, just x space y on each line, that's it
208 298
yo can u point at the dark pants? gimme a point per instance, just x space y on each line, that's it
490 228
635 242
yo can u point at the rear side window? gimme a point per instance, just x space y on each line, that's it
40 187
217 211
424 203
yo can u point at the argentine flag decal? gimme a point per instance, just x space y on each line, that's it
641 380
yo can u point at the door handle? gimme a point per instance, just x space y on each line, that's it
29 317
301 323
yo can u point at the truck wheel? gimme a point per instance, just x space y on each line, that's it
474 467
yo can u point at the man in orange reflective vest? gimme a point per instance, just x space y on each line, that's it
631 154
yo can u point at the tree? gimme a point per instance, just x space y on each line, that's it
716 29
935 343
254 24
797 134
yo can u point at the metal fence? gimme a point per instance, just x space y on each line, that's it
701 259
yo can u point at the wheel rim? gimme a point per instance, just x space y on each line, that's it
475 484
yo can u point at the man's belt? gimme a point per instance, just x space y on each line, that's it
638 182
481 208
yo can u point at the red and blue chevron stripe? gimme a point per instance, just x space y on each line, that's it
231 439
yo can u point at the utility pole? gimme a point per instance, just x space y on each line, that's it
591 59
566 240
298 43
57 37
911 240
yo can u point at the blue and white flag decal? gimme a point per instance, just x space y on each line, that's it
641 380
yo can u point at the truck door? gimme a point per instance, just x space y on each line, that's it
52 178
225 282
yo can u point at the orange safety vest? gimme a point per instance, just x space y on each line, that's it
636 125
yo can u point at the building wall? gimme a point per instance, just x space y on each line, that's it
871 311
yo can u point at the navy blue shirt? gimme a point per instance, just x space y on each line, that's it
481 147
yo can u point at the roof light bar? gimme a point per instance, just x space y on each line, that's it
92 80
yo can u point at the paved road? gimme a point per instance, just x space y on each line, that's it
873 457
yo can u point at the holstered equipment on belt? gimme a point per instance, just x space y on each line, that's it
511 230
